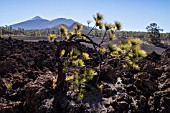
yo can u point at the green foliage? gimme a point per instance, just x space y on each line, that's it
112 47
51 36
90 73
80 81
108 26
77 27
8 86
118 25
71 32
111 35
74 53
75 60
72 60
102 50
85 56
63 30
78 63
54 83
154 33
62 52
127 52
131 52
100 86
98 19
135 41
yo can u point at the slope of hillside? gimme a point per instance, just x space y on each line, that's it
40 23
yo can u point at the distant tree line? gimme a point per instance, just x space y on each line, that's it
7 31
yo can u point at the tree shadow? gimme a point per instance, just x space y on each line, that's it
164 46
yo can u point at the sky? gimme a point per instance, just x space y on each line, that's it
134 15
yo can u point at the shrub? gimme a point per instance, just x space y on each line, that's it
71 61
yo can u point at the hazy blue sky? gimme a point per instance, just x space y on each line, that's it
133 14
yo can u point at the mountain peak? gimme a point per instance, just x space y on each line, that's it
36 18
39 23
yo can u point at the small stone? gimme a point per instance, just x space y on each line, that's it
110 109
122 105
107 101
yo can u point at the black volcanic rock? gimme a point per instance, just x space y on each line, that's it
29 68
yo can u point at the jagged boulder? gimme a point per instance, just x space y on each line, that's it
3 88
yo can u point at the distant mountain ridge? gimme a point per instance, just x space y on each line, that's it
39 23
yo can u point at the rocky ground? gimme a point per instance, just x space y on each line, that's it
28 68
146 45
